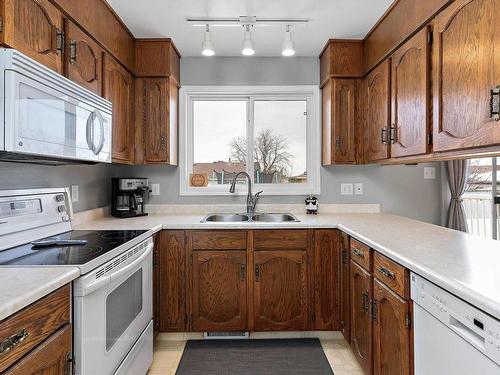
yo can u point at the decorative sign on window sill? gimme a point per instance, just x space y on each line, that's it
198 179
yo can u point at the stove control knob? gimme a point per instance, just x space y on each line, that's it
59 198
61 208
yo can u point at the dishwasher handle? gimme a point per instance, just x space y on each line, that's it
469 334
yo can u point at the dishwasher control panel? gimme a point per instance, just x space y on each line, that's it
473 325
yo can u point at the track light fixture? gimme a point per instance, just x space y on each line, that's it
288 48
248 47
207 47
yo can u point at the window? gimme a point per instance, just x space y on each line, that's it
272 133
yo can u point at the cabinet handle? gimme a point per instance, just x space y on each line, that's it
393 135
495 104
338 142
257 272
243 269
72 52
358 252
383 135
384 271
12 341
374 310
59 41
365 302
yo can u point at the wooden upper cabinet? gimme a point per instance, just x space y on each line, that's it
119 89
466 57
391 332
410 125
173 279
339 121
345 287
83 59
34 27
376 111
341 58
157 58
326 280
361 322
219 297
281 290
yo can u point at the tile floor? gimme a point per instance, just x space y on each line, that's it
168 351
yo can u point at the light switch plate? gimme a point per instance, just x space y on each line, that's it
358 188
346 189
155 189
74 193
429 173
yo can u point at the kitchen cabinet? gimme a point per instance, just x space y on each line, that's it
466 75
326 270
119 89
345 287
219 297
361 321
339 102
34 27
391 332
281 290
341 58
173 269
410 126
376 110
83 58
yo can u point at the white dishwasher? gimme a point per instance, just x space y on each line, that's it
451 336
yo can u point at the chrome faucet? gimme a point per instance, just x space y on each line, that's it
251 199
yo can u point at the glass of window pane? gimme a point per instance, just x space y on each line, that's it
219 128
280 141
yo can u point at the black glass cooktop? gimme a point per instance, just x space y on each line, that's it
98 243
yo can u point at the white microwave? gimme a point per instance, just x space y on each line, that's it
48 118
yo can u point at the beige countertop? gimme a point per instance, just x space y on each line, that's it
21 286
465 265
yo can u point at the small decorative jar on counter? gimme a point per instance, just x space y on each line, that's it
312 205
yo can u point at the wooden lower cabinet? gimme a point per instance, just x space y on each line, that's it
172 274
345 287
361 321
326 271
391 332
281 290
51 357
219 297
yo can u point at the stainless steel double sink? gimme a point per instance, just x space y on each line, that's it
245 218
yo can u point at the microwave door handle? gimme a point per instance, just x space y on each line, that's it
99 147
90 132
132 265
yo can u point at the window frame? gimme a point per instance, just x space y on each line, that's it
309 93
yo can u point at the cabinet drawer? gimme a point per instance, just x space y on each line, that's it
30 326
280 239
361 254
394 275
219 240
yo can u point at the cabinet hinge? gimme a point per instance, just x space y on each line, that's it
60 41
430 37
374 310
408 320
69 366
429 139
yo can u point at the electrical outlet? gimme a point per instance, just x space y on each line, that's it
358 188
155 189
74 193
346 189
429 173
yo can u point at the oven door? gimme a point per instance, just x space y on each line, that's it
113 306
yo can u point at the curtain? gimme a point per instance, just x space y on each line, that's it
458 172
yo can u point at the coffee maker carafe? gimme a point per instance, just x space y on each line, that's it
129 195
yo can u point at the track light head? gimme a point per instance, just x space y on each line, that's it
288 47
207 47
248 48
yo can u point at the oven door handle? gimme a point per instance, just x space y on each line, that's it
98 284
133 264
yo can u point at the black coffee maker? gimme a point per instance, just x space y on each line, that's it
129 195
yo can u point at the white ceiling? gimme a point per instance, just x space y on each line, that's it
350 19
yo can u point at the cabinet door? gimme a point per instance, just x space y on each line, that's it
281 290
119 89
391 332
34 27
410 97
173 278
51 357
155 101
376 112
345 277
219 291
326 280
361 323
83 62
466 55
